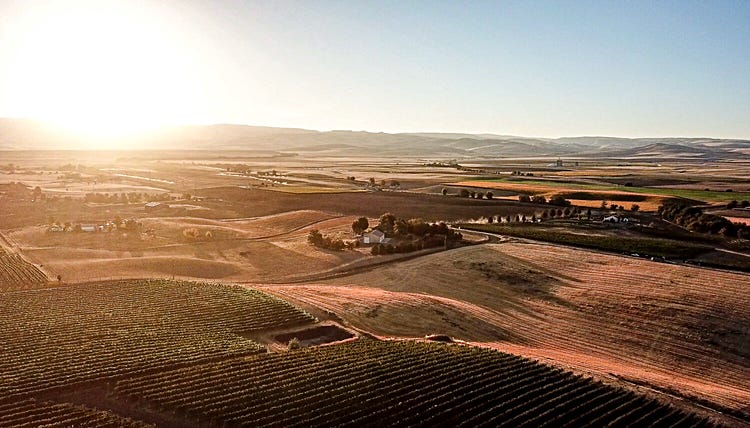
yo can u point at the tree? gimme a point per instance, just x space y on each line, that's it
37 192
489 195
386 223
524 198
480 195
539 199
371 181
635 208
490 219
360 225
445 191
732 205
401 227
463 193
559 201
315 238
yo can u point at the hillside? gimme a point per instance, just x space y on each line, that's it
16 134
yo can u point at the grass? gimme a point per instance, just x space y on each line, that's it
699 195
658 247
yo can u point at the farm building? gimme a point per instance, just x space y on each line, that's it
374 237
153 206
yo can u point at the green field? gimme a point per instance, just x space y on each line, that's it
657 247
698 195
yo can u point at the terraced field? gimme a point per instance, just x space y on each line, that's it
374 383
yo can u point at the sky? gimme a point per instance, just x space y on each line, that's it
530 68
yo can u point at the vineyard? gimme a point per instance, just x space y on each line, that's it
372 383
17 273
33 413
67 335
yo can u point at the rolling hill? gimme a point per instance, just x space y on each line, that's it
24 134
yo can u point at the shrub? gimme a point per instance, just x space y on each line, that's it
293 344
191 233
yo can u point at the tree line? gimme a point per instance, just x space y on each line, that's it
694 219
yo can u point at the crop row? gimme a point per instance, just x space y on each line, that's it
59 336
373 383
33 413
15 272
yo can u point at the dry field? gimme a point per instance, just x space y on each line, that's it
673 327
257 249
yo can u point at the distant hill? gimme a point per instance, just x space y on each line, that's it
24 134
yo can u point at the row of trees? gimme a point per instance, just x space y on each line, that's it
117 223
694 219
546 214
128 198
465 193
734 204
393 226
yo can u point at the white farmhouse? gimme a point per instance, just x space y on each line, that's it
374 237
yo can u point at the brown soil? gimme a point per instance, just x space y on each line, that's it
671 326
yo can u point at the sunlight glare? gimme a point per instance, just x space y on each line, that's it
104 71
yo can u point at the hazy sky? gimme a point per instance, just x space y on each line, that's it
558 68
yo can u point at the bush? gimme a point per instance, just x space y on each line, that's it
293 344
524 198
191 233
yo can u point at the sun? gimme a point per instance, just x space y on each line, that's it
103 71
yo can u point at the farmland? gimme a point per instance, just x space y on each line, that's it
370 383
594 337
61 336
15 272
671 326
